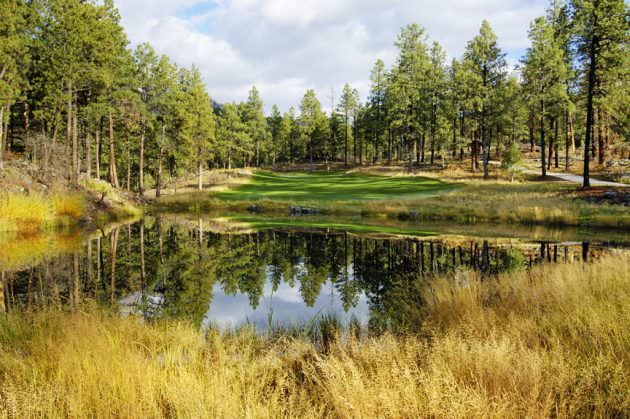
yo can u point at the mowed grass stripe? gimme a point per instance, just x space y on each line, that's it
336 186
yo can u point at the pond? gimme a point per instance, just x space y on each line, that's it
217 276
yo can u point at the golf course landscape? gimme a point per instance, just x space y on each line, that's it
314 209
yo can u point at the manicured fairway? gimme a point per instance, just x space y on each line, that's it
336 186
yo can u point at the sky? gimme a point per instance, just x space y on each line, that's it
285 47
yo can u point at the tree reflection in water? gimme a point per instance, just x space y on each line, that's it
165 269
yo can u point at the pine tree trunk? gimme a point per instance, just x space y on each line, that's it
69 137
345 158
200 180
555 145
88 152
99 261
354 147
141 163
566 143
75 144
27 128
5 130
551 127
376 134
433 116
158 186
542 138
572 133
600 137
128 168
589 109
98 151
113 175
484 150
473 152
454 153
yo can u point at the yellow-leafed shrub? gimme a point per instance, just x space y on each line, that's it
71 205
23 213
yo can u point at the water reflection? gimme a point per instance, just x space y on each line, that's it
186 270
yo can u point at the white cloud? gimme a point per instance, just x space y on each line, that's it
287 46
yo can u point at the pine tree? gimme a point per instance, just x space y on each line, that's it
378 79
486 64
14 60
200 127
254 118
314 125
601 38
232 135
544 75
348 103
275 122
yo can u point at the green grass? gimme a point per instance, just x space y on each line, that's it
353 226
334 186
530 202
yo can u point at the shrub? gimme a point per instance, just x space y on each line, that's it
23 212
70 205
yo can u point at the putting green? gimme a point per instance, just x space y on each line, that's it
335 186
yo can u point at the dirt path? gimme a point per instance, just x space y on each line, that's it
568 177
579 179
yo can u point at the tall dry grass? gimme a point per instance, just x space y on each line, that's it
31 213
24 213
550 342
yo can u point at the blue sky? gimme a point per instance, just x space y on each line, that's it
287 46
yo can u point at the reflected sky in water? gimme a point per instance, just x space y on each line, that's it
285 305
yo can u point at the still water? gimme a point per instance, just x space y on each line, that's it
190 269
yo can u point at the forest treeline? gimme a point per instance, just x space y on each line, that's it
73 94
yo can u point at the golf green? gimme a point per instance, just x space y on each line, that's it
335 186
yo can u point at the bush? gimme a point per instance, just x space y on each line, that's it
70 205
23 212
511 157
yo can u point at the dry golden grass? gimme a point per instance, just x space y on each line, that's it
69 204
550 342
528 203
31 213
23 213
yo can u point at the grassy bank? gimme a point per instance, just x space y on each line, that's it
550 342
528 202
94 201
